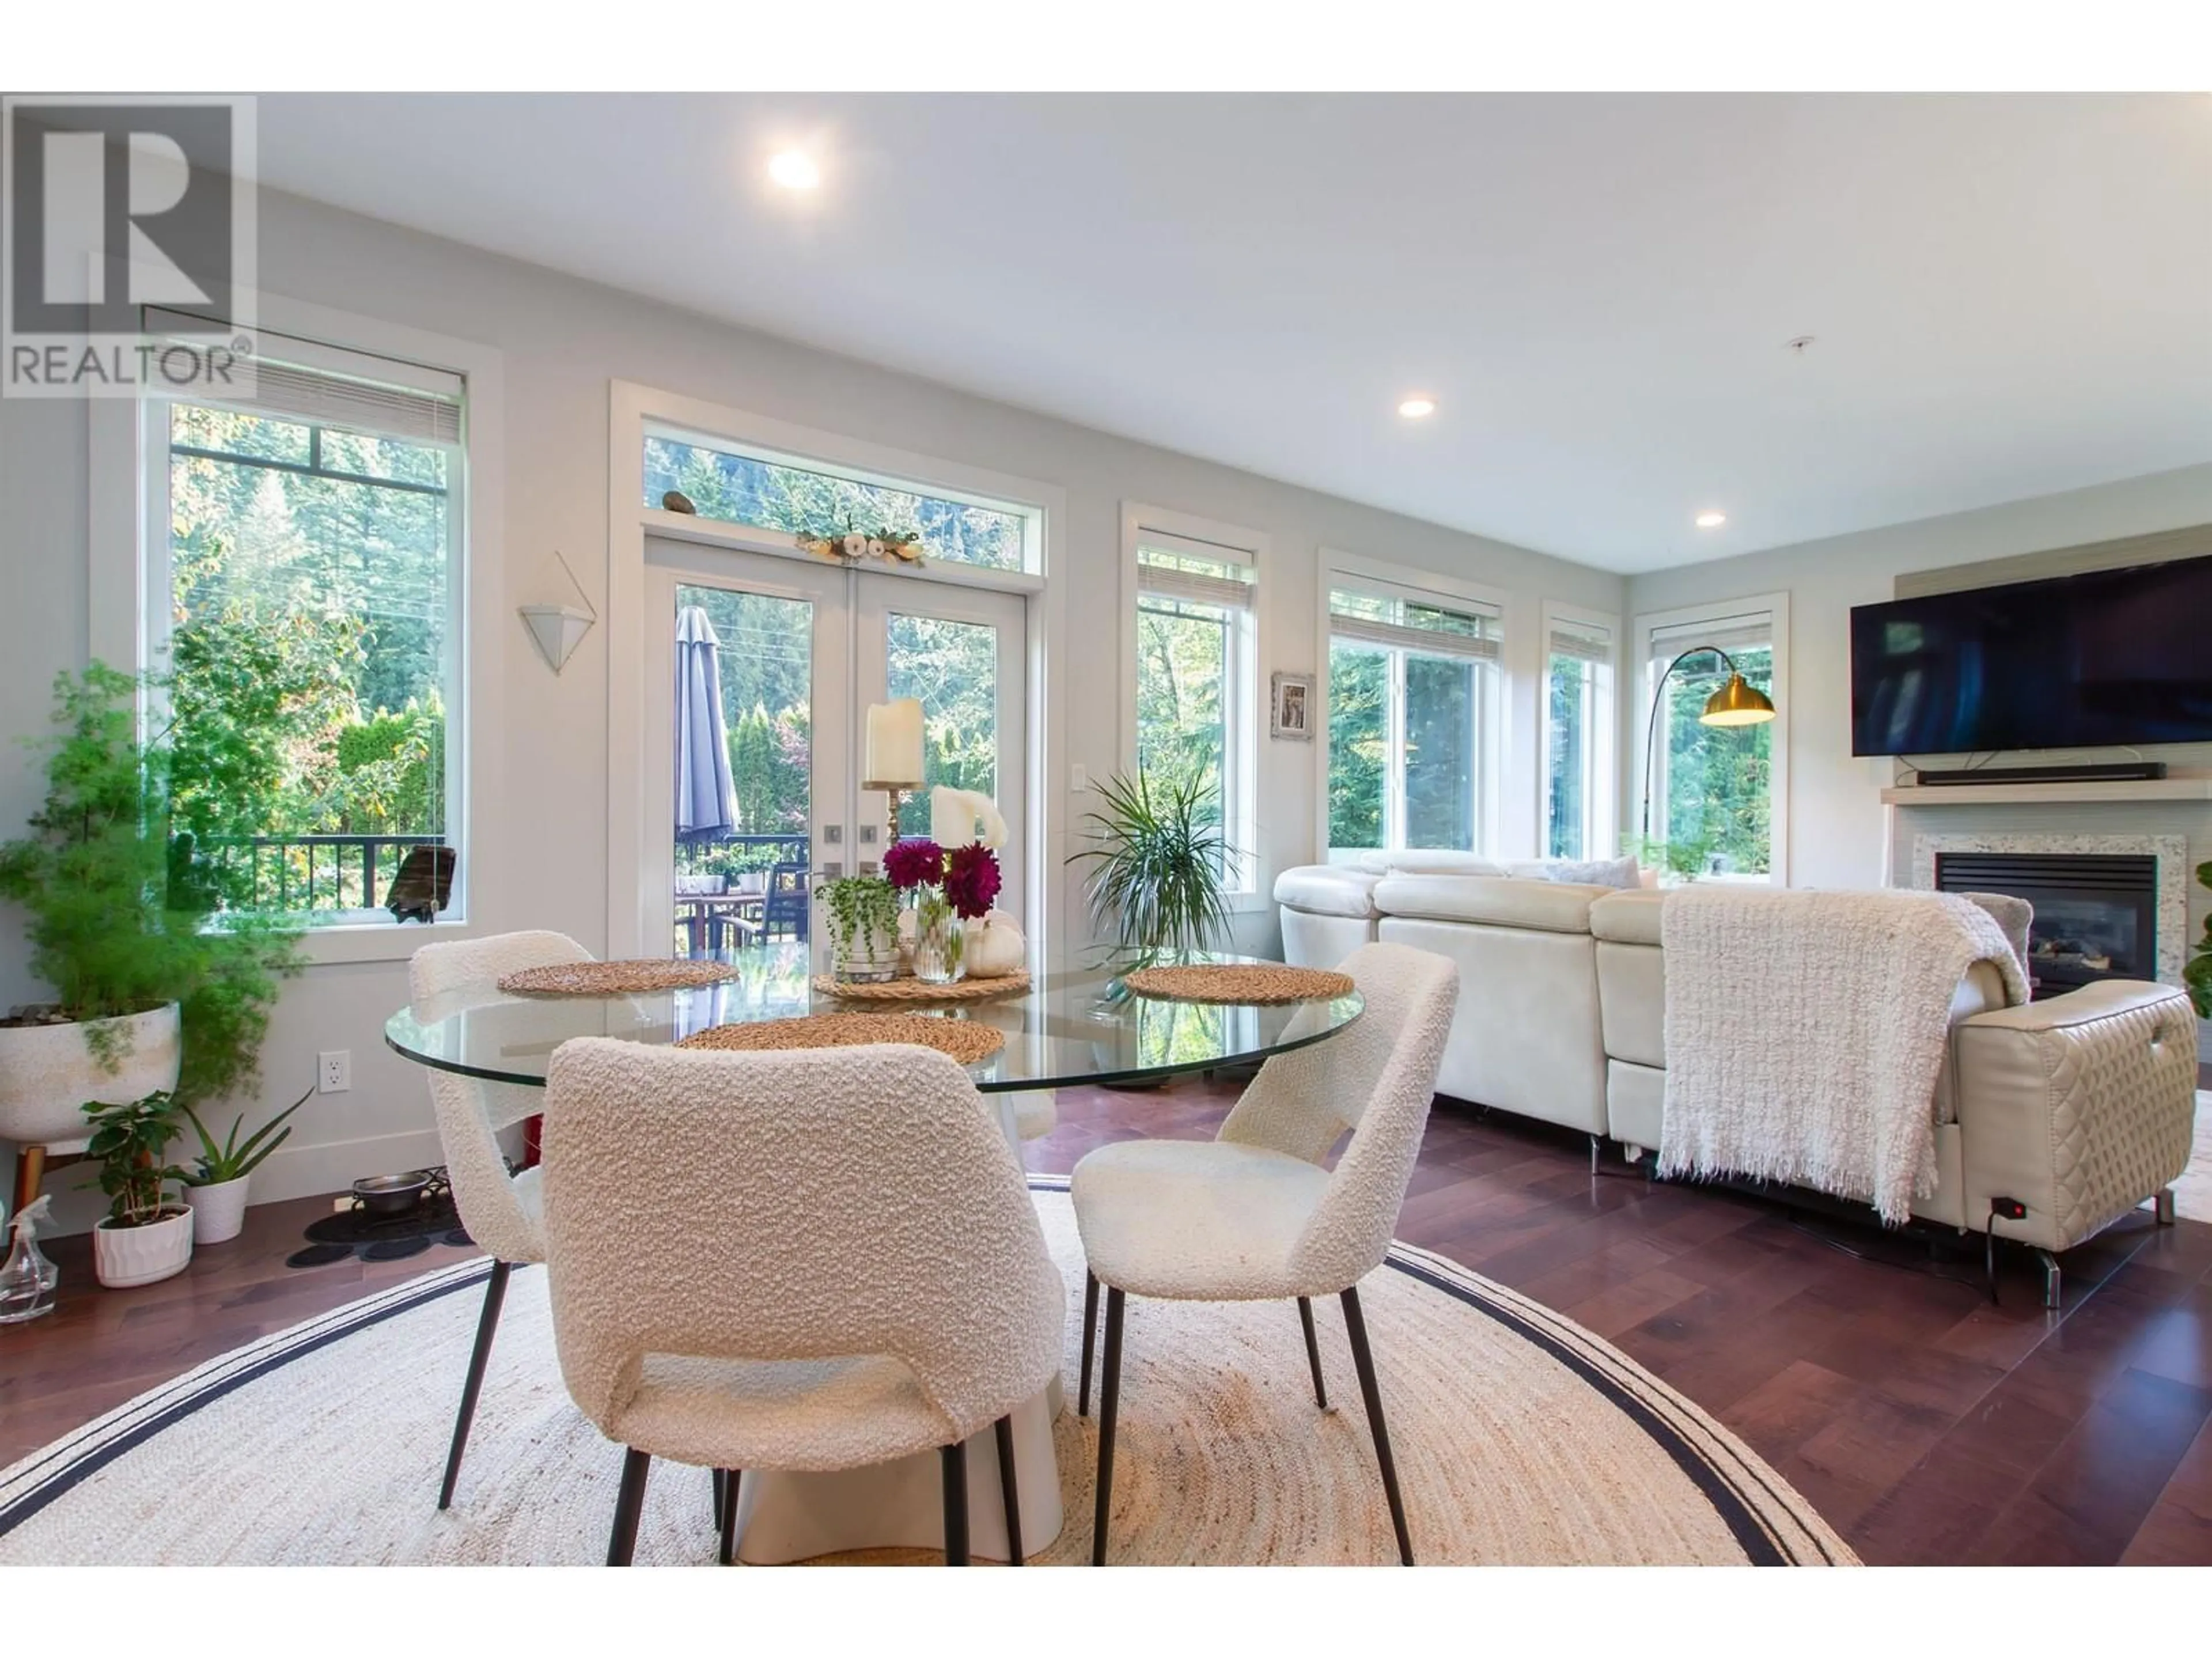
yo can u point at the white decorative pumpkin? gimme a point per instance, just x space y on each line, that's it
996 946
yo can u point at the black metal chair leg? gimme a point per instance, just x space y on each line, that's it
1009 1489
953 1462
1313 1351
1364 1361
731 1481
629 1503
721 1495
1109 1401
487 1323
1090 1329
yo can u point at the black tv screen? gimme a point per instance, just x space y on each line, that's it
2109 657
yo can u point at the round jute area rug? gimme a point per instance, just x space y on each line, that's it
1520 1439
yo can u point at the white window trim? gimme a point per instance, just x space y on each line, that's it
1494 741
1244 698
1776 607
1604 766
121 439
633 821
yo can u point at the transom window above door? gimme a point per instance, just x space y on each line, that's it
780 494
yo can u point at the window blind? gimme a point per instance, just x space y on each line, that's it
1177 567
325 385
1582 641
1402 621
1728 633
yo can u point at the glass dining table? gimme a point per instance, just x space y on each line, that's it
1083 1025
1080 1026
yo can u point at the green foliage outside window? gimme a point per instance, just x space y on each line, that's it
1359 744
1717 815
738 489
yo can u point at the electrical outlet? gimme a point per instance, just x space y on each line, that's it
334 1071
1078 777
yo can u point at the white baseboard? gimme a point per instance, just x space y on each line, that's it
333 1166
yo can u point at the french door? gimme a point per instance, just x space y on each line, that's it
802 648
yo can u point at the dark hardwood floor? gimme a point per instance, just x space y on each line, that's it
1926 1425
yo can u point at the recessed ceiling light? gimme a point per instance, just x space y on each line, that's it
1418 409
1710 520
794 171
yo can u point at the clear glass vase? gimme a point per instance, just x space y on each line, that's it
28 1279
939 942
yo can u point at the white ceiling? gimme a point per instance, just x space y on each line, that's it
2011 294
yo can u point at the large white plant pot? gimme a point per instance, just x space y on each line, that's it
47 1074
124 1257
218 1209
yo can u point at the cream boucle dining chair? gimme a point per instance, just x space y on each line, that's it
501 1211
795 1260
1252 1215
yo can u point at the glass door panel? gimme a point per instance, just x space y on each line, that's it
769 640
962 654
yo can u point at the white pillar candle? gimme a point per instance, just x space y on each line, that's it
951 817
893 754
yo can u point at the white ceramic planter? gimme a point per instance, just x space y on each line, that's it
47 1074
124 1257
218 1209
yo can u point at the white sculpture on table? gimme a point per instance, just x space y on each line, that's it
957 817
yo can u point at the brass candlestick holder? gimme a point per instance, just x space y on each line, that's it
895 795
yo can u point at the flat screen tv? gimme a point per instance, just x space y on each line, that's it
2107 658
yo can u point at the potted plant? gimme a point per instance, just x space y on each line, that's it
154 993
863 927
1159 857
216 1186
144 1235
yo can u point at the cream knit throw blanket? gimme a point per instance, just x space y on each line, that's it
1805 1031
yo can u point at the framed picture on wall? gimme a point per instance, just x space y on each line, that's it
1292 707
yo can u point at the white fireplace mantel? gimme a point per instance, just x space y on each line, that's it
2172 788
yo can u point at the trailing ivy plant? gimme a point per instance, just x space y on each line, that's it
860 906
2198 973
1158 857
121 911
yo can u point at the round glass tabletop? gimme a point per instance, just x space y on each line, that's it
1081 1026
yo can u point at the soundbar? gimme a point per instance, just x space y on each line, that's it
2118 772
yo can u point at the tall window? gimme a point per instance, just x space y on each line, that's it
312 571
1578 753
1195 692
1711 786
1412 710
771 494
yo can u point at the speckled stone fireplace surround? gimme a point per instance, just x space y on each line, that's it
2177 833
2172 853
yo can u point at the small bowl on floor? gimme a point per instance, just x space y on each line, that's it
392 1195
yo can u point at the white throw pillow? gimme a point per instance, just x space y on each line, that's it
1619 873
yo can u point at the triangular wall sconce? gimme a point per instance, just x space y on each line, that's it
560 628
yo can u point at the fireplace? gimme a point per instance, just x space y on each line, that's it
2096 915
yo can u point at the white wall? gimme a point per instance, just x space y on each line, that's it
563 340
1837 832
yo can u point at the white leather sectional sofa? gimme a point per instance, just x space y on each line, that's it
2080 1106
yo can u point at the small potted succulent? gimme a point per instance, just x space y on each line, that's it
863 927
216 1186
146 1235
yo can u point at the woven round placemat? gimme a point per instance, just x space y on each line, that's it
1248 983
965 1042
607 979
921 990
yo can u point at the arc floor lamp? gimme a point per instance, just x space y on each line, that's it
1739 703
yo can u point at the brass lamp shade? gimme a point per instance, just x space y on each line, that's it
1737 703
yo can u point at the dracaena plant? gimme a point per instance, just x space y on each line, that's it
1157 860
2198 974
